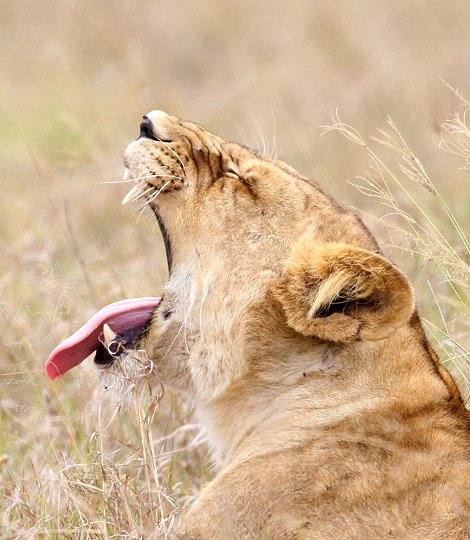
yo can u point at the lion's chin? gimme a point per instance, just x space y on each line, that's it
130 378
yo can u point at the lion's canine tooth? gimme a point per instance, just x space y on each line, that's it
132 194
108 334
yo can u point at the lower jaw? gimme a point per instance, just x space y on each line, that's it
105 356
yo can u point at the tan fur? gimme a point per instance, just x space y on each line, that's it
298 346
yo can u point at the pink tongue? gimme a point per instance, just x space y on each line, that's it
120 316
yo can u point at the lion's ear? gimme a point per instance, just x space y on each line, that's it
339 292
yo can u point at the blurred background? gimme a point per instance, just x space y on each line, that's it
75 79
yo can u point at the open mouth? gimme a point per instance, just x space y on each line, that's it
125 320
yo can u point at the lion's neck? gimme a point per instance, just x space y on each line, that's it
239 422
319 394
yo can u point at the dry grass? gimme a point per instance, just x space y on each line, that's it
437 236
76 77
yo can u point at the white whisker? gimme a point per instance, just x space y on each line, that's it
274 152
153 197
135 179
179 330
200 309
174 153
141 212
140 195
256 145
185 325
116 181
263 139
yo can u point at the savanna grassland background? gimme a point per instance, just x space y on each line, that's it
75 78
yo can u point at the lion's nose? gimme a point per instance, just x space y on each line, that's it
146 128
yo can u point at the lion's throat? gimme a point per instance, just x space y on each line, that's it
121 316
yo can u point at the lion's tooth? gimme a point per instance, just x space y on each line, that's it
108 334
132 194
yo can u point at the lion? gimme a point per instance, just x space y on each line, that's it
299 347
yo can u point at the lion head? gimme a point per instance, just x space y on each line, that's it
262 263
